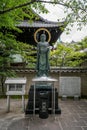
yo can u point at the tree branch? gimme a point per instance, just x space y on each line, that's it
16 7
63 4
39 1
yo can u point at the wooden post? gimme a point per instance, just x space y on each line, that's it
8 103
23 103
34 100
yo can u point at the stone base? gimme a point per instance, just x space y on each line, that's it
30 111
47 98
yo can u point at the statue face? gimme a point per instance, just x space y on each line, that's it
43 37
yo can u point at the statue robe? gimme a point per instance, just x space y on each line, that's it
42 58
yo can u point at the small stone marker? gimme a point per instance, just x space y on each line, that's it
76 97
64 97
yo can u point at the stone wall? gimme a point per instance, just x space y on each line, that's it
56 75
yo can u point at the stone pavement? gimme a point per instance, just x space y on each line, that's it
73 117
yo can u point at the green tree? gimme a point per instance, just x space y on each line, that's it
76 10
60 55
11 12
69 54
29 54
5 63
83 44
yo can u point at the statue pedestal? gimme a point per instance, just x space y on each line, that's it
43 99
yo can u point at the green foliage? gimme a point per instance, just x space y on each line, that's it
76 11
29 54
8 22
83 44
69 54
8 43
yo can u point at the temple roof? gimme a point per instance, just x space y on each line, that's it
31 30
40 22
26 24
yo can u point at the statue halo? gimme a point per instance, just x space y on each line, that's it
42 29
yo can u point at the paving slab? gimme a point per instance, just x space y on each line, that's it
73 117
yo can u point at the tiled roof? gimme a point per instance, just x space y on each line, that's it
69 69
55 70
39 24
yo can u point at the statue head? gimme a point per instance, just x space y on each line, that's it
42 37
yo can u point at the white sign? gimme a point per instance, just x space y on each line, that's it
69 86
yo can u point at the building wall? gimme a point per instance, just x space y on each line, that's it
56 75
84 84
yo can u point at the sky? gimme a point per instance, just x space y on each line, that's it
57 12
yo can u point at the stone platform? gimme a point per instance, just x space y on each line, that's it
73 117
